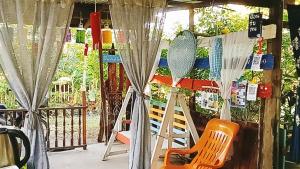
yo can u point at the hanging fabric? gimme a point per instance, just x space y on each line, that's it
29 57
141 22
215 59
237 48
294 25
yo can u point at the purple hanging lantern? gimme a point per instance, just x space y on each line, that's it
68 36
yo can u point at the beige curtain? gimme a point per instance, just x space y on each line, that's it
138 26
31 40
237 48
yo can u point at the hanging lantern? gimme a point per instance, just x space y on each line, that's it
107 35
121 37
80 33
68 36
95 26
86 49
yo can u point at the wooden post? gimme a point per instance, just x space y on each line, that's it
72 127
56 132
191 19
112 89
84 105
192 100
272 105
121 76
102 92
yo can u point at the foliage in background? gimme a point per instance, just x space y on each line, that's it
212 21
72 65
219 21
289 82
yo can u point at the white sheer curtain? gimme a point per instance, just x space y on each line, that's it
31 40
237 48
138 25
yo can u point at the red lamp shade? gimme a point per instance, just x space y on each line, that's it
96 29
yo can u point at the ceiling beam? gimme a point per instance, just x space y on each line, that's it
205 3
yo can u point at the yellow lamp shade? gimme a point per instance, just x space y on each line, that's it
107 36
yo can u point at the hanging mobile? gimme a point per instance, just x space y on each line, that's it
257 58
255 31
80 34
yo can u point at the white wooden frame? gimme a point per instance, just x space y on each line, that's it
166 128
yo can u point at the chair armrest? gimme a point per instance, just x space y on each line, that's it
212 166
171 151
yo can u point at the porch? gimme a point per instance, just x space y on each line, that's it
90 158
73 159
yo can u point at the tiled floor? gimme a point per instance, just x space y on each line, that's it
87 159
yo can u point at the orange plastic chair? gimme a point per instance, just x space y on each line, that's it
212 148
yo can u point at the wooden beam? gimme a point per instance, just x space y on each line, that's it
270 151
267 62
206 3
84 10
192 19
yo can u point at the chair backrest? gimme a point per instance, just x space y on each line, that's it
214 143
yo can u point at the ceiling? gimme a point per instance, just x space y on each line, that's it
83 8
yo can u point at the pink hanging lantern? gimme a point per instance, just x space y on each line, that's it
96 30
121 37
